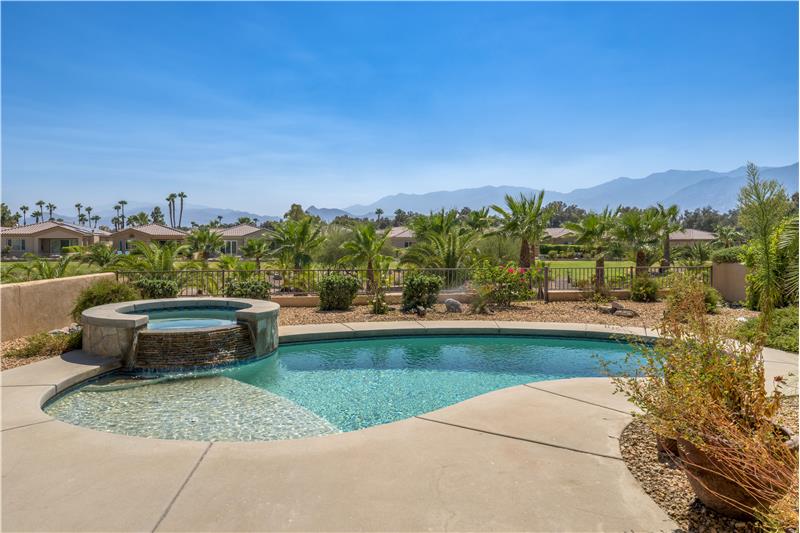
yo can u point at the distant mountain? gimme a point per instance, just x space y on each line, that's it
326 214
191 213
689 189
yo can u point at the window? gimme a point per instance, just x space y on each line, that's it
406 244
230 247
16 245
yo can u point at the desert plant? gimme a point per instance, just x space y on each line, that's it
683 283
39 268
295 240
644 289
781 334
337 292
365 248
247 288
104 291
420 290
46 345
525 219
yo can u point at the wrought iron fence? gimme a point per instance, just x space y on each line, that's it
305 281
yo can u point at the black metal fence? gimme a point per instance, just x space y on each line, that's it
300 282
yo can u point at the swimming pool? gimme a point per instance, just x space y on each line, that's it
189 317
321 388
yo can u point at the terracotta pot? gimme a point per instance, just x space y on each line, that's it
667 445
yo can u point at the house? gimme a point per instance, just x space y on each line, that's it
401 237
235 237
48 238
158 233
560 236
688 237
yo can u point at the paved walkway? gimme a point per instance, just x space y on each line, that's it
538 457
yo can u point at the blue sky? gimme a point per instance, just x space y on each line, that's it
256 105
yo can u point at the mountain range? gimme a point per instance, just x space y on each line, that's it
689 189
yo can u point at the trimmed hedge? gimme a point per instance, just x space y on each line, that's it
157 288
734 254
247 288
337 292
420 290
644 289
105 291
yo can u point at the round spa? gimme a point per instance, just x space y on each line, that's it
181 333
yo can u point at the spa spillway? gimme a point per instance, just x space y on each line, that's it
181 333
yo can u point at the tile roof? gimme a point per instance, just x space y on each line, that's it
155 230
401 232
558 233
242 230
33 229
692 235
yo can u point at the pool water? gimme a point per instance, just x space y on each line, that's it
327 387
189 317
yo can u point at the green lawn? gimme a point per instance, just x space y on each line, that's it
586 264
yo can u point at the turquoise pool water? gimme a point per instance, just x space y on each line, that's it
190 317
328 387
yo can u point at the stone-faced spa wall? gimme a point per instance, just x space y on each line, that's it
162 350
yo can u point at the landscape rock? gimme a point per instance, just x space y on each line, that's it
627 313
452 305
617 306
421 311
606 309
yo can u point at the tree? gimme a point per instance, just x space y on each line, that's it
50 208
640 230
139 219
295 212
7 220
39 268
116 220
696 254
446 247
400 218
99 254
479 220
82 218
365 248
524 219
79 206
256 249
24 209
295 240
378 214
122 204
707 218
157 216
89 212
594 232
669 224
152 257
171 208
244 220
728 236
37 215
562 213
204 243
182 196
762 207
95 219
40 204
788 245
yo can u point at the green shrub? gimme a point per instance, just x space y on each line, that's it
46 345
552 255
501 285
682 284
734 254
105 291
337 292
420 290
157 288
247 288
644 289
573 249
782 333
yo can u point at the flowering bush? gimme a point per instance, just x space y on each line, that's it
501 285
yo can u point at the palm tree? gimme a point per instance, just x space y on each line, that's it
365 247
152 257
24 209
171 204
122 204
451 248
378 213
479 220
256 249
79 206
116 219
82 218
37 215
99 254
593 231
89 212
40 204
295 240
50 209
669 220
640 231
728 236
95 219
788 244
182 196
39 268
696 254
139 219
524 219
203 243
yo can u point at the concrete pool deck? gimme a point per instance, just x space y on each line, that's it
538 457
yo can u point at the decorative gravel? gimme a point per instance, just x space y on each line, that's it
667 484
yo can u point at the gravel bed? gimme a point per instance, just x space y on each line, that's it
7 363
667 485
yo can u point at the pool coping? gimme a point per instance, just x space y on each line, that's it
571 416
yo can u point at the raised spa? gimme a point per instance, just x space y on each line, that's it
319 388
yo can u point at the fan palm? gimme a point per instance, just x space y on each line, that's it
696 254
98 254
203 243
24 209
365 248
788 244
728 236
152 257
670 223
640 231
593 232
256 249
295 240
453 248
38 268
524 219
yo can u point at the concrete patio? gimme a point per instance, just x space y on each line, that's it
538 457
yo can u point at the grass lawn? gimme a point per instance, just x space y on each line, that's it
73 269
586 264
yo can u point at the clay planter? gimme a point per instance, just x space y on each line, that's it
710 486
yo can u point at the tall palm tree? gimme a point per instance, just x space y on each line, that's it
728 236
40 204
365 248
24 209
116 219
524 219
295 240
479 220
593 231
182 196
378 213
204 243
670 223
89 210
79 206
256 249
788 244
122 204
82 218
37 215
50 208
640 231
95 219
171 204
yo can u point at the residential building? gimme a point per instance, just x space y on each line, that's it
401 237
158 233
48 238
688 237
235 237
560 236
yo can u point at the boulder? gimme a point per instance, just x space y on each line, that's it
617 306
627 313
606 309
421 311
452 305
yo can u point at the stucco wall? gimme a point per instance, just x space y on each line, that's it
37 306
729 280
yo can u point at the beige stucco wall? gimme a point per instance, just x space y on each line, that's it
729 280
37 306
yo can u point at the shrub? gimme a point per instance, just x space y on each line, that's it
46 345
644 289
247 288
734 254
105 291
552 254
337 292
782 333
157 288
501 285
420 290
681 285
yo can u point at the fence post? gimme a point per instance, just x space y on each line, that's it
222 284
546 284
